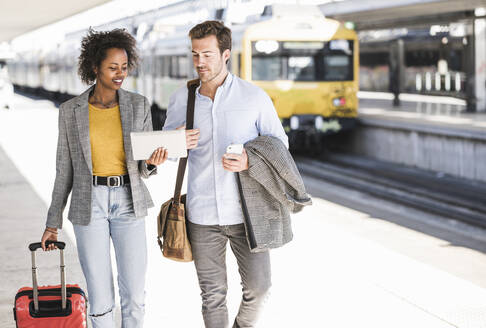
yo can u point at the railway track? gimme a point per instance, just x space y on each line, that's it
444 195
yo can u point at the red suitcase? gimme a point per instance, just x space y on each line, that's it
50 306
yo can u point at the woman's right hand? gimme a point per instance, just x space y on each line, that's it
49 234
158 157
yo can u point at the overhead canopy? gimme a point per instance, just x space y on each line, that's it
20 16
378 14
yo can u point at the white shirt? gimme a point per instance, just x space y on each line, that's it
240 112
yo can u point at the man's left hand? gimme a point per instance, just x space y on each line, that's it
235 162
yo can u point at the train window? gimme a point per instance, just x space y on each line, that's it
158 66
183 67
336 68
174 70
303 61
301 69
267 69
165 66
134 72
153 68
238 70
146 66
54 67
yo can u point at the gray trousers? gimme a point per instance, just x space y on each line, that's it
209 251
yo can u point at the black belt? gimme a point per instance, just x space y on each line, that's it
111 181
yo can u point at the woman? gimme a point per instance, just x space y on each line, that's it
94 161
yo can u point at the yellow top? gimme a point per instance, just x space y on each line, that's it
107 152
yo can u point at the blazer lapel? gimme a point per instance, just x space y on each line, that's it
126 115
82 122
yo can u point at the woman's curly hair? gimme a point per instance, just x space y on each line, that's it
94 47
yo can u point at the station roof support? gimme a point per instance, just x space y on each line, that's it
383 14
21 16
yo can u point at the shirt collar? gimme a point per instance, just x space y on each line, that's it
225 85
227 81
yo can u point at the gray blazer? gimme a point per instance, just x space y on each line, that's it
270 189
74 171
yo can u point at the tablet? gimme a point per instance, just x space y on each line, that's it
144 143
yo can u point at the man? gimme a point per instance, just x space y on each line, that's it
228 111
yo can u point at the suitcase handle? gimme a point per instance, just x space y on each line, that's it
50 293
35 246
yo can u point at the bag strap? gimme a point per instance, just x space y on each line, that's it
191 100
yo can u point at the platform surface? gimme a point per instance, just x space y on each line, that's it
355 261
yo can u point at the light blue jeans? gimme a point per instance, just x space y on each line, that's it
112 216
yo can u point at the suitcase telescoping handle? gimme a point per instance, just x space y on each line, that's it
35 246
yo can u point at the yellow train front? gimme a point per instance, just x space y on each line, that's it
309 67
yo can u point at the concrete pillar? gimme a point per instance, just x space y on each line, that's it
397 70
480 64
469 61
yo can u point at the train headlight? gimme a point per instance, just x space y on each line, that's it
341 101
266 46
294 122
319 122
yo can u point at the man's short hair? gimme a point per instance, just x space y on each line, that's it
216 28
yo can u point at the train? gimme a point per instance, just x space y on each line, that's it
307 64
6 88
434 61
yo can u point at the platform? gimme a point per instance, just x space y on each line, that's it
443 138
355 261
444 114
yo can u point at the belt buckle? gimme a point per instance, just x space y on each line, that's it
117 180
